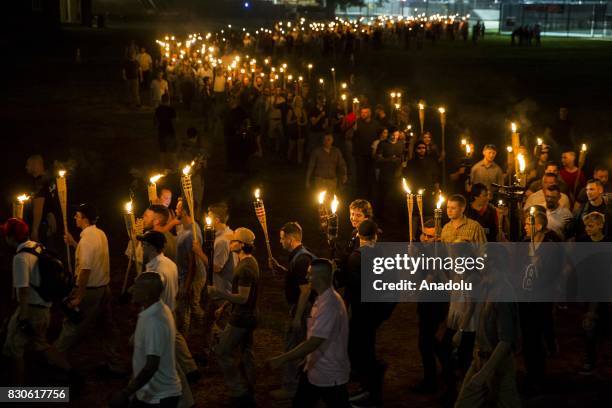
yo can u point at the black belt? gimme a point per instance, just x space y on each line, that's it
96 287
37 306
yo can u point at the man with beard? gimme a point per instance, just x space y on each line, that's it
297 294
558 217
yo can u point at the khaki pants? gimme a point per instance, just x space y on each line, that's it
188 308
328 185
499 391
17 342
235 357
133 94
96 307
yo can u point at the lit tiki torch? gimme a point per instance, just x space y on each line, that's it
152 188
260 212
532 229
581 161
521 175
130 226
209 248
62 192
422 116
188 192
442 112
410 204
18 206
332 226
323 213
438 216
419 198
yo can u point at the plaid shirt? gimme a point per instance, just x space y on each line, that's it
468 231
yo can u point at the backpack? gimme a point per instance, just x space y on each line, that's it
55 282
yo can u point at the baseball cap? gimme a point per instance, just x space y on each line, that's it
155 238
243 235
16 229
89 211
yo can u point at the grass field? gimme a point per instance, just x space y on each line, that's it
75 111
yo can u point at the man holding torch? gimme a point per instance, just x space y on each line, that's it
92 295
461 228
223 263
192 270
298 296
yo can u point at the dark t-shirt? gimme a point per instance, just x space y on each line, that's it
165 116
245 274
363 137
314 113
44 187
296 275
487 219
131 69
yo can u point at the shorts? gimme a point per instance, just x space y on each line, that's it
17 342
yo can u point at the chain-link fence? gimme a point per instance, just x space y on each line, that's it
585 19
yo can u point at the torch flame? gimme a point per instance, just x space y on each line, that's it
22 198
583 148
355 100
322 197
513 127
257 194
343 96
154 179
420 192
334 204
405 186
128 207
208 221
62 173
440 201
442 110
509 149
421 106
521 161
463 142
500 203
540 141
186 170
468 149
532 210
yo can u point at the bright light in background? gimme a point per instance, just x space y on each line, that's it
246 4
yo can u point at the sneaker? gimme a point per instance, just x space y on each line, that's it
424 387
359 394
281 394
587 369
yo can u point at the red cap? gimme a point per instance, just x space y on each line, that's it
16 229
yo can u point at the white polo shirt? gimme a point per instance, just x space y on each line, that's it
92 254
168 272
329 365
26 274
154 336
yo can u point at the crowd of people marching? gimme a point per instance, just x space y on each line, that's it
329 328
